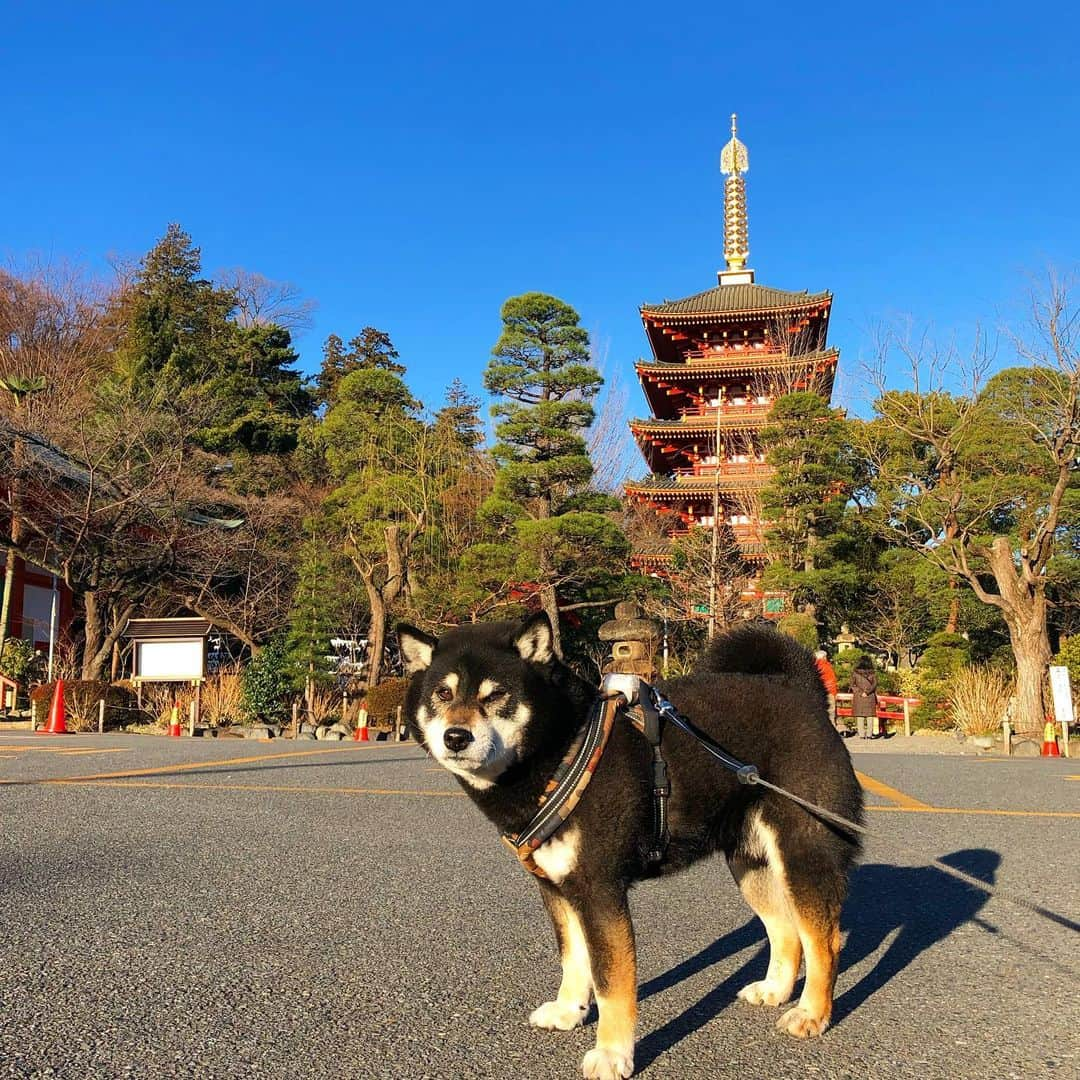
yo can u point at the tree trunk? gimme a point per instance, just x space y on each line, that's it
1023 604
1031 648
5 606
376 633
953 623
93 633
98 647
550 604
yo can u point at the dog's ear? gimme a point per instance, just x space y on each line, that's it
417 648
534 641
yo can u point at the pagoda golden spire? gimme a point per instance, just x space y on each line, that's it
734 162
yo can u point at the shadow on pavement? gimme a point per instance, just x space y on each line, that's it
915 906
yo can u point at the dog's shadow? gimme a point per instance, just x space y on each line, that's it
915 906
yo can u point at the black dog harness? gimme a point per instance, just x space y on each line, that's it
647 709
644 707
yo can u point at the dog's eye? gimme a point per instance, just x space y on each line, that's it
498 694
444 693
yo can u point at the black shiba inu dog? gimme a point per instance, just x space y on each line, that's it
495 706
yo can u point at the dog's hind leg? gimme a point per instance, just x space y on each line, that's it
812 884
610 938
570 1006
764 890
818 919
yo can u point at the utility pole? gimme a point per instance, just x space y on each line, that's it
715 518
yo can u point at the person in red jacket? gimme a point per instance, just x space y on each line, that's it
828 678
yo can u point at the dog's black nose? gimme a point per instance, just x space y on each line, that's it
457 738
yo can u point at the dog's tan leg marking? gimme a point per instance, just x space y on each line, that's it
819 931
817 922
568 1010
764 891
610 937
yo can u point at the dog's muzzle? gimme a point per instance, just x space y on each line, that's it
457 738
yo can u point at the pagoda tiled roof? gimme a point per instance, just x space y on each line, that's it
749 419
738 300
697 485
736 362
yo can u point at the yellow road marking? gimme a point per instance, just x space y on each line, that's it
188 765
255 787
166 784
876 787
67 751
973 810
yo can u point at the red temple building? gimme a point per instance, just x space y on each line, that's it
720 358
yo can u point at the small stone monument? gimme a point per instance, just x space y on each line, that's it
633 642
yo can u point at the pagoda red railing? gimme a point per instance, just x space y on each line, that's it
748 410
727 468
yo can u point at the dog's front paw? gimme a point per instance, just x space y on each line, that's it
601 1064
764 993
801 1024
554 1016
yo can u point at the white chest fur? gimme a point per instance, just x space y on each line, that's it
558 856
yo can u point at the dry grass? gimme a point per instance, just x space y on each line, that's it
160 698
980 696
223 698
324 705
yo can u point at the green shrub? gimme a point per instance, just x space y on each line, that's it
1069 656
22 663
935 673
268 684
383 700
844 664
801 627
888 682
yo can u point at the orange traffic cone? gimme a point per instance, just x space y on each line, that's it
1050 746
56 724
361 733
174 722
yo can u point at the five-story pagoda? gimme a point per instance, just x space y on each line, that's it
720 359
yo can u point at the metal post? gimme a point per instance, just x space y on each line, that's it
907 718
715 521
295 719
399 723
193 712
101 717
52 625
1006 732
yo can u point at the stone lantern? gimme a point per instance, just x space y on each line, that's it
845 640
633 642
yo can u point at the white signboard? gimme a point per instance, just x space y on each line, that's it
170 660
1062 691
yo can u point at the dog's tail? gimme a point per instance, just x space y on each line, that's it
760 649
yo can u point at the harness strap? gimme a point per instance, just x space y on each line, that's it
565 789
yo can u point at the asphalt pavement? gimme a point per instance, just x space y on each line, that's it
211 908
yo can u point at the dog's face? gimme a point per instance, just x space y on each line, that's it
473 693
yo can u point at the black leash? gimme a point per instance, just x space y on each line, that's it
649 703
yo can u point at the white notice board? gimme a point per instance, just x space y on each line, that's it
1062 692
170 660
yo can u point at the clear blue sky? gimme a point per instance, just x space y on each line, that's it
412 165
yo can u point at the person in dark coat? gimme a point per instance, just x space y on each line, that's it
864 699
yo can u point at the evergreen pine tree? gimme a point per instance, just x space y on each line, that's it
541 500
